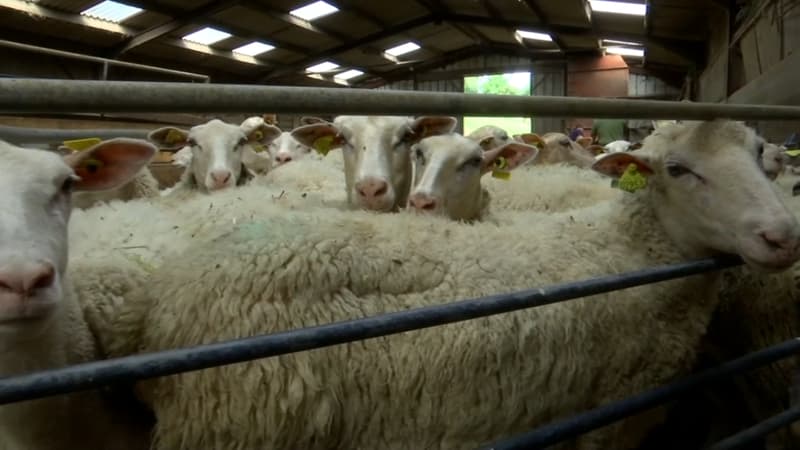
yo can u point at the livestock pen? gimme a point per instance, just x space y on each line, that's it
39 96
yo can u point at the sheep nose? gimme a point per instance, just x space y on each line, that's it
372 188
422 202
27 278
221 177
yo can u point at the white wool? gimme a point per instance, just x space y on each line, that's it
427 389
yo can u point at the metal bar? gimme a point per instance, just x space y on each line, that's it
98 373
51 96
612 412
97 59
23 135
750 435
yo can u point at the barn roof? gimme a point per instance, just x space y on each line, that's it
355 34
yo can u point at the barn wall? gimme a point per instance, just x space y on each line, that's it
712 85
603 76
640 85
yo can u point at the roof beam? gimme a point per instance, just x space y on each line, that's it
209 21
534 6
439 10
186 18
346 47
296 21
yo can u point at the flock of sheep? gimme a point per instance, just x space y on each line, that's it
263 234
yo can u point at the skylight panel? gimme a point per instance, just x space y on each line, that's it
636 9
348 74
253 49
326 66
402 49
314 10
206 36
534 36
111 11
613 41
625 51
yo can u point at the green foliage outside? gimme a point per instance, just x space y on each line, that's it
502 84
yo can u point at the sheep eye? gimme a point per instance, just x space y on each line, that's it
475 162
565 143
192 143
676 170
420 156
760 149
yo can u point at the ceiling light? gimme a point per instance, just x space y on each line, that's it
111 11
625 51
612 41
206 36
402 49
314 10
636 9
534 36
346 75
253 49
326 66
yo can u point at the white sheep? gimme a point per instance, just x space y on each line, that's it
448 170
222 155
773 160
555 148
41 320
375 150
489 136
432 388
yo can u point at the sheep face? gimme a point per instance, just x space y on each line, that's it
286 149
555 148
710 193
490 136
376 154
773 160
34 212
220 152
448 171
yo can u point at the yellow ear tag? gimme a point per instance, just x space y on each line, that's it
793 152
631 180
77 145
500 169
174 136
323 145
91 165
258 148
258 135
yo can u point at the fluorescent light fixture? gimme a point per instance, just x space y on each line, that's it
326 66
402 49
207 36
314 10
612 41
534 36
625 51
348 74
111 11
253 49
635 9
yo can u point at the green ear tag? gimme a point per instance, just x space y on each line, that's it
323 145
173 137
793 153
258 148
258 135
77 145
631 180
501 169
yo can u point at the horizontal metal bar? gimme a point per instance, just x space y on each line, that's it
39 96
170 362
750 435
113 62
25 135
612 412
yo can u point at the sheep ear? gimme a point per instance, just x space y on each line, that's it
514 154
595 149
169 138
615 164
427 126
308 120
109 164
531 139
263 134
322 137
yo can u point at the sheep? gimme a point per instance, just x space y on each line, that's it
557 148
773 160
432 388
489 136
448 171
41 320
621 146
286 148
375 150
219 152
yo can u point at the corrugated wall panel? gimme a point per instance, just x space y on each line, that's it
549 80
643 85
